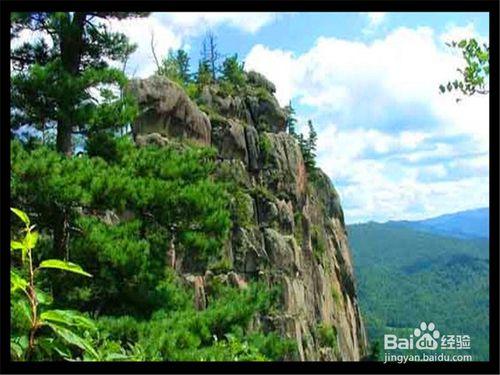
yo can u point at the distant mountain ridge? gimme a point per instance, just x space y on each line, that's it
464 224
430 270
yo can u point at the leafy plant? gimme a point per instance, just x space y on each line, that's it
65 325
474 76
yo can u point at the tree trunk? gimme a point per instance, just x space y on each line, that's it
71 46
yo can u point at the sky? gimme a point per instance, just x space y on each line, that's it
393 146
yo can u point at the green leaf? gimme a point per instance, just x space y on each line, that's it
18 346
72 338
22 215
68 317
62 265
462 43
16 245
31 239
43 298
17 282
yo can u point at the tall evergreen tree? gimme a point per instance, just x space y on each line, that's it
232 71
55 78
176 67
65 83
291 120
312 139
182 59
203 76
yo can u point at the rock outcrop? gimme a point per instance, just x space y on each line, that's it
166 109
290 231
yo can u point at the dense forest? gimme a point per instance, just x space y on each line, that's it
406 276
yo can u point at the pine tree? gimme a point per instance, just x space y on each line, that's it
67 86
53 85
203 77
232 71
291 120
311 141
308 146
176 67
182 59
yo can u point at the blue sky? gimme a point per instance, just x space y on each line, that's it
394 147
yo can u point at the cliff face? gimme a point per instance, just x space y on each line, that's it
288 226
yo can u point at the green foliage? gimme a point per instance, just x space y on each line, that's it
176 67
337 298
104 145
214 334
308 147
318 243
102 285
242 208
204 76
167 192
70 87
36 331
265 146
291 120
298 233
474 77
407 276
326 335
232 71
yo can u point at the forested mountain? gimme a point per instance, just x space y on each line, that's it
406 275
464 224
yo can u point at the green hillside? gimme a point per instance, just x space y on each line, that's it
405 276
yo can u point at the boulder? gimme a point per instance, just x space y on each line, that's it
257 79
266 113
167 110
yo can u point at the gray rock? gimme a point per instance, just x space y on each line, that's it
284 170
266 113
253 149
259 80
167 110
229 138
283 252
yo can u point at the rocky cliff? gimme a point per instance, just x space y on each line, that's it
288 222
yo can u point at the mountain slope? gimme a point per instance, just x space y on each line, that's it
406 276
463 224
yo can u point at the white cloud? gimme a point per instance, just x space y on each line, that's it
457 33
139 31
192 23
364 87
375 19
30 36
279 66
173 30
